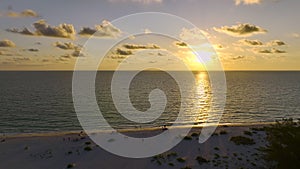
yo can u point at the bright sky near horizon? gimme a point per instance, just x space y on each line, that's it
246 34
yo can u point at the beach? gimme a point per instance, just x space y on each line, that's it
76 150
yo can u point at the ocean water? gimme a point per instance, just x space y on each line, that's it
32 102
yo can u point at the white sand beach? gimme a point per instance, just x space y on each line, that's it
75 150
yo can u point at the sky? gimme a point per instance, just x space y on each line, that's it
245 34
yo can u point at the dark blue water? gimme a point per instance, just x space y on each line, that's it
42 101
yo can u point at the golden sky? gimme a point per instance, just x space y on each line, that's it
246 34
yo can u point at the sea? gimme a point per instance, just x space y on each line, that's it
42 101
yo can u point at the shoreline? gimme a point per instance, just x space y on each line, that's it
153 129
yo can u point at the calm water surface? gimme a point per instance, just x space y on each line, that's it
42 101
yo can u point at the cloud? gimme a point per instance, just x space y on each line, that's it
219 46
43 29
241 30
106 30
63 30
123 52
7 43
278 51
277 43
78 53
65 46
138 1
266 51
64 58
147 31
33 50
29 13
45 60
135 46
269 51
238 57
25 13
247 2
24 31
295 35
21 59
194 33
251 42
180 44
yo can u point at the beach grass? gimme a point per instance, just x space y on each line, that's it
283 148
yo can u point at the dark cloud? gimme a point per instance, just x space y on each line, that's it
241 30
219 47
269 51
123 52
7 43
45 60
106 30
180 44
65 46
277 43
135 46
238 57
278 51
264 51
251 42
32 50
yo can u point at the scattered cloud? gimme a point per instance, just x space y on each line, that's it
7 43
238 57
65 46
180 44
64 58
135 46
278 51
219 46
63 30
251 42
138 1
269 51
277 43
194 33
25 13
266 51
33 50
123 52
241 30
42 28
21 59
295 35
24 31
247 2
106 30
78 53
